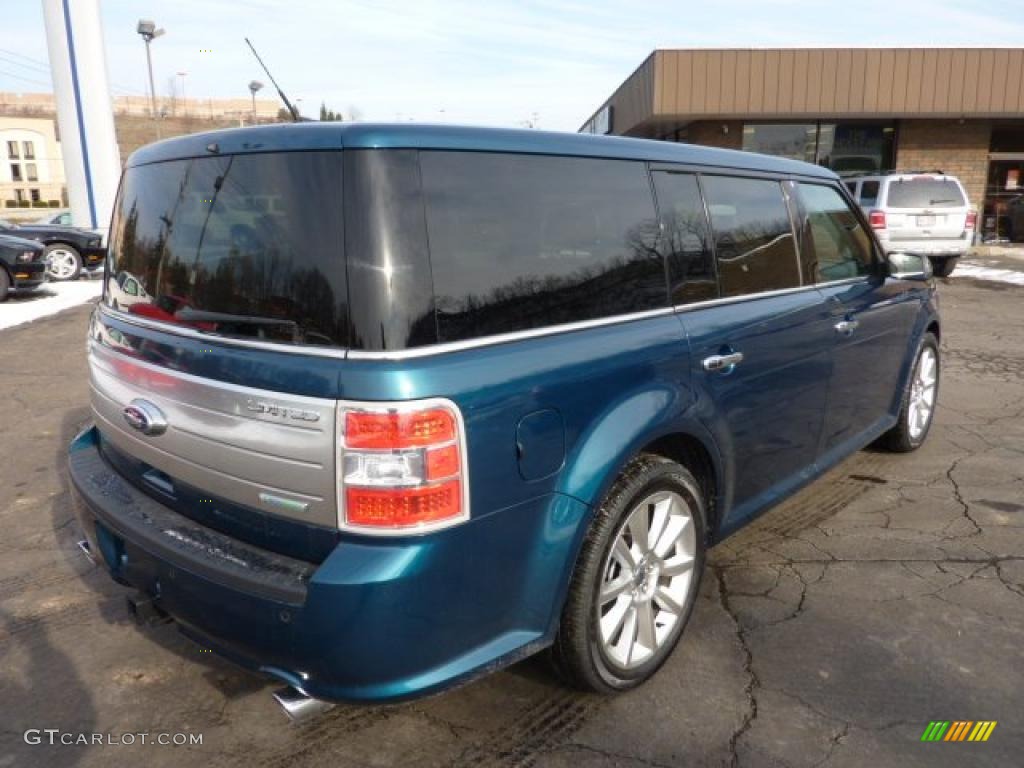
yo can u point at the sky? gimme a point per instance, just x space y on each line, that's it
548 62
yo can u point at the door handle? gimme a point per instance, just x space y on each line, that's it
722 362
846 327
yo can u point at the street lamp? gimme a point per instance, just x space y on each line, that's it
147 29
184 104
254 85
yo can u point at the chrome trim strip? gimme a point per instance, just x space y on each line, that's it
503 338
189 333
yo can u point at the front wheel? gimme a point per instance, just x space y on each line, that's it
62 262
944 267
917 409
636 579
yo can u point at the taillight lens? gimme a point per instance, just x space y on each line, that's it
972 220
401 467
877 219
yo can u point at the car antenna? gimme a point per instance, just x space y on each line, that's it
294 112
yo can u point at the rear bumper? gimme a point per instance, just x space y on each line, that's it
378 620
927 247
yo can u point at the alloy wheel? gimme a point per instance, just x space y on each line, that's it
61 264
923 388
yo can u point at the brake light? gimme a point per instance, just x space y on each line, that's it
401 467
877 219
972 220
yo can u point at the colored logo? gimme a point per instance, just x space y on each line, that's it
958 730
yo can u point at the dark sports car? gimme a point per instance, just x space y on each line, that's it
69 250
21 264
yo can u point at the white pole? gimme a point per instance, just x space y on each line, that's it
92 161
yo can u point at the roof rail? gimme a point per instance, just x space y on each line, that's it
895 171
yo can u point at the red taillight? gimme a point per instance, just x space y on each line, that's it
972 220
395 429
877 219
401 467
403 508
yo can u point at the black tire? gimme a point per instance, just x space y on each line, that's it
76 256
577 653
944 267
901 438
5 284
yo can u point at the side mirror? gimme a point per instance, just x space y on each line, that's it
909 266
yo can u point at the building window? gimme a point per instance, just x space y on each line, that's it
12 150
30 150
846 148
796 141
19 195
30 172
15 172
35 195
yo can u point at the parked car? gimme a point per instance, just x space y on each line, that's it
21 265
923 213
61 218
460 395
69 250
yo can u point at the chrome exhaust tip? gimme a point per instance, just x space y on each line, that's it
298 706
83 545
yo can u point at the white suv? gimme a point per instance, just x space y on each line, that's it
922 213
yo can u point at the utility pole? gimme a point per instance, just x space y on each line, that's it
147 29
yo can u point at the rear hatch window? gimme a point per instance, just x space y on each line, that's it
241 245
925 193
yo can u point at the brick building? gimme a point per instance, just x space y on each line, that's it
856 110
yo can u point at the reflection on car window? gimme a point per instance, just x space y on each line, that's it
246 245
834 245
753 237
520 242
685 238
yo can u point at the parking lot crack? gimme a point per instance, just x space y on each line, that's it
753 682
964 506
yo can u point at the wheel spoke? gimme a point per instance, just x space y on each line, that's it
676 526
666 600
661 518
612 620
646 634
612 589
623 647
639 528
677 566
624 554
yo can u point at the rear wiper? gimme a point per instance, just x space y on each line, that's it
943 200
189 315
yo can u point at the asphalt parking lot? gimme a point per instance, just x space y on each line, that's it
887 595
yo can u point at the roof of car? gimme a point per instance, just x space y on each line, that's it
325 136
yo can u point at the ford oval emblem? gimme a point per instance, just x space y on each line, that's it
145 417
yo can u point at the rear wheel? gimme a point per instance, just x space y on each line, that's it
62 262
944 267
636 580
5 284
919 400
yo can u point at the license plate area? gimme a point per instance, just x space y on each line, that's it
926 221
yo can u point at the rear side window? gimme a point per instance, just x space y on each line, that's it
238 245
685 238
869 193
754 243
834 245
924 193
520 242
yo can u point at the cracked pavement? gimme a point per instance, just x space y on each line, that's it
829 632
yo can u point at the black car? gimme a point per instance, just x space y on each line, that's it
69 250
22 264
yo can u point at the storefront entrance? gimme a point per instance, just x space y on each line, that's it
1003 218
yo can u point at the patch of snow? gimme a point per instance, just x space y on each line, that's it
48 300
981 272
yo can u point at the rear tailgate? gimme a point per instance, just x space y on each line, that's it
925 207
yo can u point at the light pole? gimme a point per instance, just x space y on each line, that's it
184 104
254 85
147 29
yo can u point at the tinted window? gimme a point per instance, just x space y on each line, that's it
924 193
685 238
753 237
520 241
243 245
869 193
834 245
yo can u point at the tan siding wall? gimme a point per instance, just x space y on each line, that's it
823 82
957 149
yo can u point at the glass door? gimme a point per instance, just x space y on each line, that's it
1003 215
